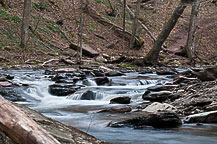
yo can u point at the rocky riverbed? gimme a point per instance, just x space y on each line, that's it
178 94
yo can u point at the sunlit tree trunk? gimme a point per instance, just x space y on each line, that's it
135 23
191 33
152 56
25 23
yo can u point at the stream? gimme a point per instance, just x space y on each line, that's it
82 114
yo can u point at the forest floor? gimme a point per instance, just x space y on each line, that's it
55 25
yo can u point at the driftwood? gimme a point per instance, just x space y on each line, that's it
20 128
117 29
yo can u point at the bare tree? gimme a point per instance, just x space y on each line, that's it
191 33
152 56
80 32
124 21
25 23
135 23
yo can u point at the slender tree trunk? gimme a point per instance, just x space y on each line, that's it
135 24
80 30
152 56
191 33
124 20
20 128
25 23
139 21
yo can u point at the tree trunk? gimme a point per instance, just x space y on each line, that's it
25 23
139 21
152 56
81 30
124 21
117 29
20 128
191 33
135 23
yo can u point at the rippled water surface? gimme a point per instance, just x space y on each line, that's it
82 113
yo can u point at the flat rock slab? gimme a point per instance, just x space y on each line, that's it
206 117
156 120
5 84
87 50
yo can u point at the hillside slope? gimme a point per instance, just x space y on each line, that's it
55 24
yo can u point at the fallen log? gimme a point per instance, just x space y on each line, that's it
117 29
20 128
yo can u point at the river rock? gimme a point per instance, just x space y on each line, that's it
157 107
212 107
122 109
98 73
156 120
114 73
161 87
65 70
12 93
62 89
206 117
157 96
120 100
165 72
5 84
208 74
88 95
102 80
183 79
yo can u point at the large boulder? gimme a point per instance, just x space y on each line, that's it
62 89
206 117
120 100
158 107
156 120
157 96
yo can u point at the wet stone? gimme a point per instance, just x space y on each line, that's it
101 80
120 100
156 120
62 89
157 96
206 117
122 109
88 95
12 93
161 87
114 73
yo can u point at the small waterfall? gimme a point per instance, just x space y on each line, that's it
88 95
147 82
89 82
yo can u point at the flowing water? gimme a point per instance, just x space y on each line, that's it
83 115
